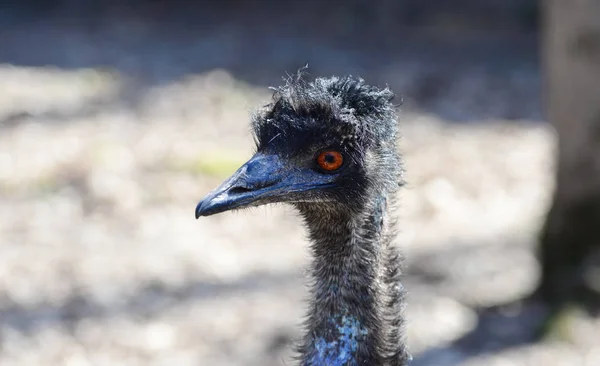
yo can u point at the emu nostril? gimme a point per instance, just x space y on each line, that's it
239 190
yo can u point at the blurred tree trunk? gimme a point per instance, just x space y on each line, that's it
571 236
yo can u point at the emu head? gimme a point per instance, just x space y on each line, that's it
328 142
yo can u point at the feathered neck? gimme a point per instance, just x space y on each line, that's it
355 315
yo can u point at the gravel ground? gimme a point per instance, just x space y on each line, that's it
102 262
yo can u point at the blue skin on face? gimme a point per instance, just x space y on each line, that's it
340 352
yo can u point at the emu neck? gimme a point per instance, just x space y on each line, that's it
346 324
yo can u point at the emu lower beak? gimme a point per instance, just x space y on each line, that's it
260 180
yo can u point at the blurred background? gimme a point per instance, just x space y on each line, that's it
116 117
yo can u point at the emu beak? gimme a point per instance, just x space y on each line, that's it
260 180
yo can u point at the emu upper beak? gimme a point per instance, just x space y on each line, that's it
259 178
263 179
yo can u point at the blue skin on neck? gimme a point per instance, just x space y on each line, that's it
342 350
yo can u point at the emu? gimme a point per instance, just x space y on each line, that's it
328 147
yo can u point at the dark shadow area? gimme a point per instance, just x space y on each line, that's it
149 300
57 115
507 324
498 328
429 52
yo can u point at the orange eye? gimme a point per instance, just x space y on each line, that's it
330 160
